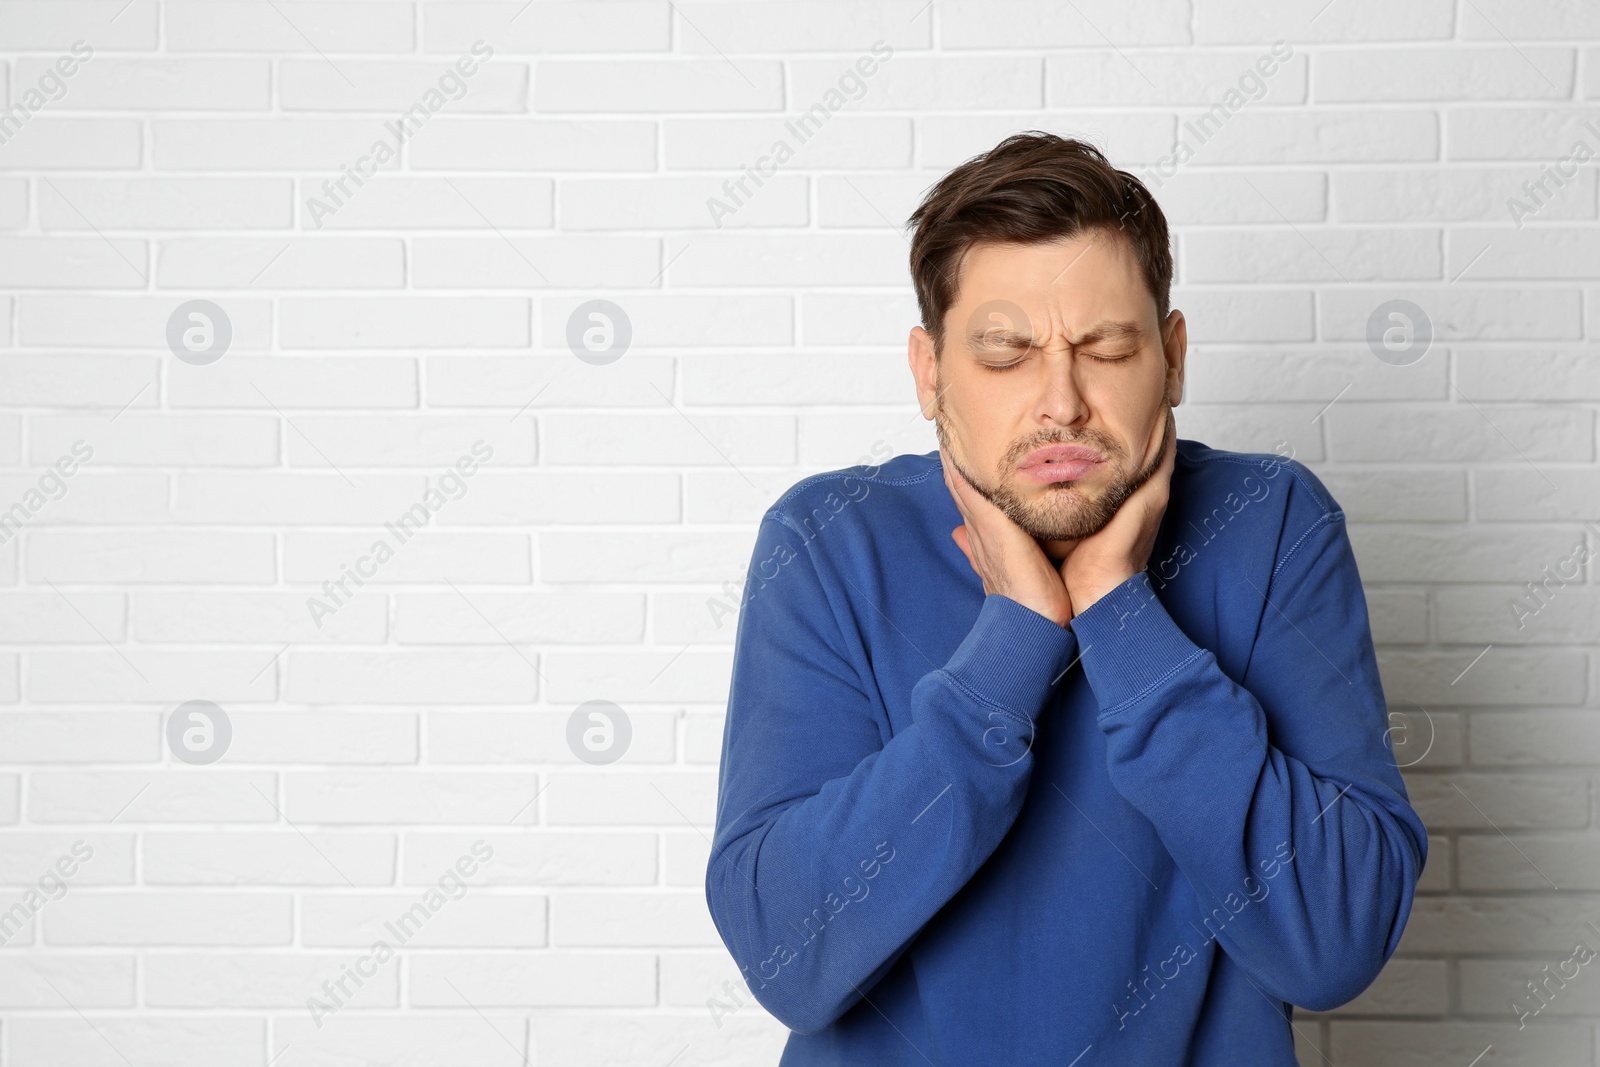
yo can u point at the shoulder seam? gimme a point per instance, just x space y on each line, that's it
1326 518
1293 466
835 612
806 483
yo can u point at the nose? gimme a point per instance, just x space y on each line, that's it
1060 398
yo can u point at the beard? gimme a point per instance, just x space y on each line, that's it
1060 511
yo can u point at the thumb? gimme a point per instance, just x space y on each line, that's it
959 536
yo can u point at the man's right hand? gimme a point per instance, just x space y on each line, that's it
1003 554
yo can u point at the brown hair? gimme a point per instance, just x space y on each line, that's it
1031 187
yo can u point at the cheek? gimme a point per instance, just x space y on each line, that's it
997 398
978 421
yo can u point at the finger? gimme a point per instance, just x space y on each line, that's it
1161 432
959 536
961 504
973 539
951 475
944 471
1156 447
958 490
948 469
968 498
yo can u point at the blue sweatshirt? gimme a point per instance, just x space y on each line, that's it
952 832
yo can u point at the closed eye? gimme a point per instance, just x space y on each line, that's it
1020 362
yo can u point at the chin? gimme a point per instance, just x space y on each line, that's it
1080 491
1077 534
1070 518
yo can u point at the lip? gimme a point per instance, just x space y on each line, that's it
1060 463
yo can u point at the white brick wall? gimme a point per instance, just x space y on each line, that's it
378 331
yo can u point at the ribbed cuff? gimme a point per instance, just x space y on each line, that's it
1012 656
1130 643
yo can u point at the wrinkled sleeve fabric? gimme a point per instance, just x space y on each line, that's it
1276 794
836 842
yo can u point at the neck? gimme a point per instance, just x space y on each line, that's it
1058 551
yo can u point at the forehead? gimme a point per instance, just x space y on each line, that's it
1093 275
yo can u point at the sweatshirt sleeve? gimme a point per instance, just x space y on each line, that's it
836 842
1277 794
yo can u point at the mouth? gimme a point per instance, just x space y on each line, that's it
1060 463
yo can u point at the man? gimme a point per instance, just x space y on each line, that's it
1065 744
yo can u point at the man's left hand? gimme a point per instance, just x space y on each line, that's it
1100 563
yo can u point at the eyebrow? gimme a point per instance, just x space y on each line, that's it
1111 329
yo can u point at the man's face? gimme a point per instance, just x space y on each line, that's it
1052 344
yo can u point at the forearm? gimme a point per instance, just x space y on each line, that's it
1305 873
814 894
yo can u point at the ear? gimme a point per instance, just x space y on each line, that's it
924 369
1175 345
